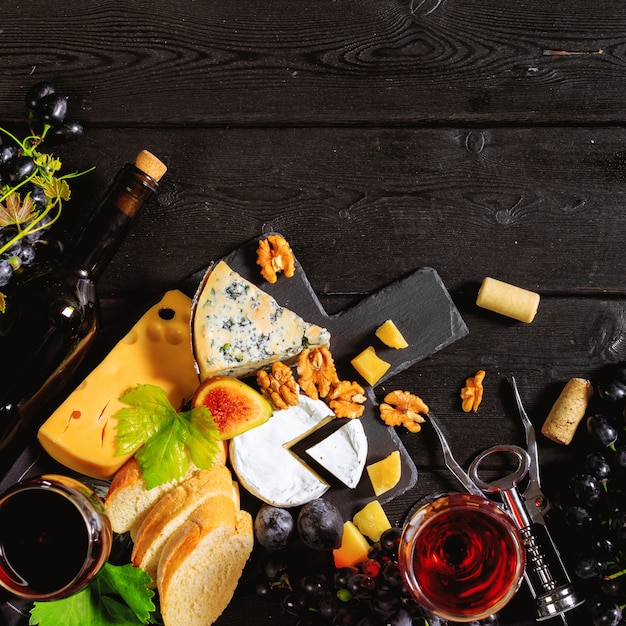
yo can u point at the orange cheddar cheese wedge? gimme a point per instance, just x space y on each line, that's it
81 433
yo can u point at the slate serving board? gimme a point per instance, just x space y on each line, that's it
420 306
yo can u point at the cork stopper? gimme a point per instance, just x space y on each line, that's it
148 163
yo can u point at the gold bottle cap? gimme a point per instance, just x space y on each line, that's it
148 163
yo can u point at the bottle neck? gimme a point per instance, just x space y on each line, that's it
105 230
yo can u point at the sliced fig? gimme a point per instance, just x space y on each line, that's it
236 407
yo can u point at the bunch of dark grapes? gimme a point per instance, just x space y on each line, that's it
31 192
371 593
594 503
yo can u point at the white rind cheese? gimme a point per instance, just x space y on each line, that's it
343 453
269 470
238 328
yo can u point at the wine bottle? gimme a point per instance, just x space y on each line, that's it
52 316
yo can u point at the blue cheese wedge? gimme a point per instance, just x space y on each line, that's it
270 471
238 328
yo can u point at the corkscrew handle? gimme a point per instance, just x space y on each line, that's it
553 594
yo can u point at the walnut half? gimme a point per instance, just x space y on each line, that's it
472 393
402 408
274 255
316 372
346 399
279 385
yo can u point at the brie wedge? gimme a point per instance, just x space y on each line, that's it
267 468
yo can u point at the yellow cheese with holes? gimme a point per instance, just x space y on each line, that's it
370 365
80 434
385 474
372 520
391 336
354 547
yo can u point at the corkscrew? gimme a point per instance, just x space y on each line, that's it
545 575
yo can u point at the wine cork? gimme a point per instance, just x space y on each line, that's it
515 302
568 411
148 163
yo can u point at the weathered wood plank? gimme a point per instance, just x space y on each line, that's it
541 208
327 62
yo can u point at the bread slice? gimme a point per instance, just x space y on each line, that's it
201 564
173 509
128 500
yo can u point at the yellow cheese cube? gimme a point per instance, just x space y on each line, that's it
372 520
385 474
389 334
370 365
81 433
354 547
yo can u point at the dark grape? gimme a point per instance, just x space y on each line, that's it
618 527
342 575
320 525
587 489
8 154
294 602
273 527
390 539
6 272
51 109
589 567
613 587
606 614
20 168
275 569
578 516
36 93
602 429
69 130
597 465
362 586
613 391
314 585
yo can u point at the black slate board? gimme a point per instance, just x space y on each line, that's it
420 306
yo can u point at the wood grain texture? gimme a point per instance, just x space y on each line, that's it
327 62
549 201
478 138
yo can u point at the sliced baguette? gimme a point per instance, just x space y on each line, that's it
201 564
128 500
173 509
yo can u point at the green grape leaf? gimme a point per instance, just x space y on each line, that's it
162 438
118 596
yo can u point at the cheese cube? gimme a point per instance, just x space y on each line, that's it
81 433
371 520
354 547
389 334
370 365
385 474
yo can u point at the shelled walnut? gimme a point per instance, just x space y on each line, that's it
316 372
472 392
274 255
279 385
346 399
402 408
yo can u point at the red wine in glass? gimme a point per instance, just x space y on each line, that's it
462 557
54 537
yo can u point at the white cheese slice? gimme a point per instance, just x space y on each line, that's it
239 329
270 471
343 453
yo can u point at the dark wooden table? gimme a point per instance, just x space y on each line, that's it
477 138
